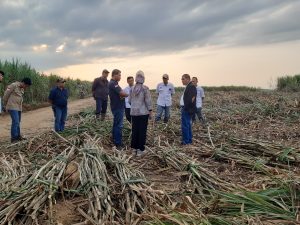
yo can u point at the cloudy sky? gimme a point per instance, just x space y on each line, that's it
232 42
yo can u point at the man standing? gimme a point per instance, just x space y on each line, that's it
188 108
12 101
100 94
1 78
199 101
117 105
165 90
127 90
58 97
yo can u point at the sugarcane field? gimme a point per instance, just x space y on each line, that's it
242 168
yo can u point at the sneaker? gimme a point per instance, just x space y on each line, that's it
139 153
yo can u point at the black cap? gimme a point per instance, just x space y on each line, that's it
60 80
1 72
27 81
105 71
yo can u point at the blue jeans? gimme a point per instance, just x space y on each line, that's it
117 126
101 106
159 112
186 127
60 115
15 124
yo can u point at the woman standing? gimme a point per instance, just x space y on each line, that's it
141 110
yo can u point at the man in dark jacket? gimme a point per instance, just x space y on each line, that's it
100 94
188 108
58 97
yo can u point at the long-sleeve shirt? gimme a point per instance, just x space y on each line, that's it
100 88
141 103
127 91
13 97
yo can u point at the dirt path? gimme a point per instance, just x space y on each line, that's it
40 119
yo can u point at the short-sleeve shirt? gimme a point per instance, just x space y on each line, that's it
165 92
127 91
200 95
59 97
116 102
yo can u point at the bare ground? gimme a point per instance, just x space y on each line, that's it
41 119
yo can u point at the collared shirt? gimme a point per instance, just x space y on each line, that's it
13 97
116 101
100 88
59 97
127 90
165 92
200 95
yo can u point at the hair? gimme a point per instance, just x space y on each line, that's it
27 81
1 72
186 76
130 77
115 72
195 78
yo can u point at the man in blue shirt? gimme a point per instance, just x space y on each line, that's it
58 97
117 105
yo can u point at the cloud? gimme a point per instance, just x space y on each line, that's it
115 28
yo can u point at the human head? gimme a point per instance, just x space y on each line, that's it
165 78
105 73
185 79
130 81
195 81
116 75
60 82
1 75
139 77
26 82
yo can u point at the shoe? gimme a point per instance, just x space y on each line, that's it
139 153
120 147
14 140
21 138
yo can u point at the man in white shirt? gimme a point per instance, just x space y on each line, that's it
127 90
199 101
165 90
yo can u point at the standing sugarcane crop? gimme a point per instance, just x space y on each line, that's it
13 100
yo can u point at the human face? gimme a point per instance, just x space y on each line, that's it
184 80
130 82
61 84
194 81
117 77
105 75
165 80
1 78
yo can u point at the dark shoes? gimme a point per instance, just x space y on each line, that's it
14 140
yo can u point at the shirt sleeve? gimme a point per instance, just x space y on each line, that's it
94 85
157 89
51 95
202 93
115 88
148 100
7 93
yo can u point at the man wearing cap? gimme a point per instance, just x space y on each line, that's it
100 94
12 101
117 104
58 98
165 90
1 78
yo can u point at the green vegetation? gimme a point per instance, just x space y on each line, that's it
16 70
289 83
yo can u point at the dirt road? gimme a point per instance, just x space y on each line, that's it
41 119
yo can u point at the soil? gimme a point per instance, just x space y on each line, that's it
40 120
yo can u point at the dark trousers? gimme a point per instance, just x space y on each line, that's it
60 115
15 124
101 106
127 113
117 126
186 127
139 132
199 115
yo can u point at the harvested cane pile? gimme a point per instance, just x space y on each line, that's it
243 168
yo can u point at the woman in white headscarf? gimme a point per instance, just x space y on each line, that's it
141 109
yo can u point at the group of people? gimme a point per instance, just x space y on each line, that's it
134 101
